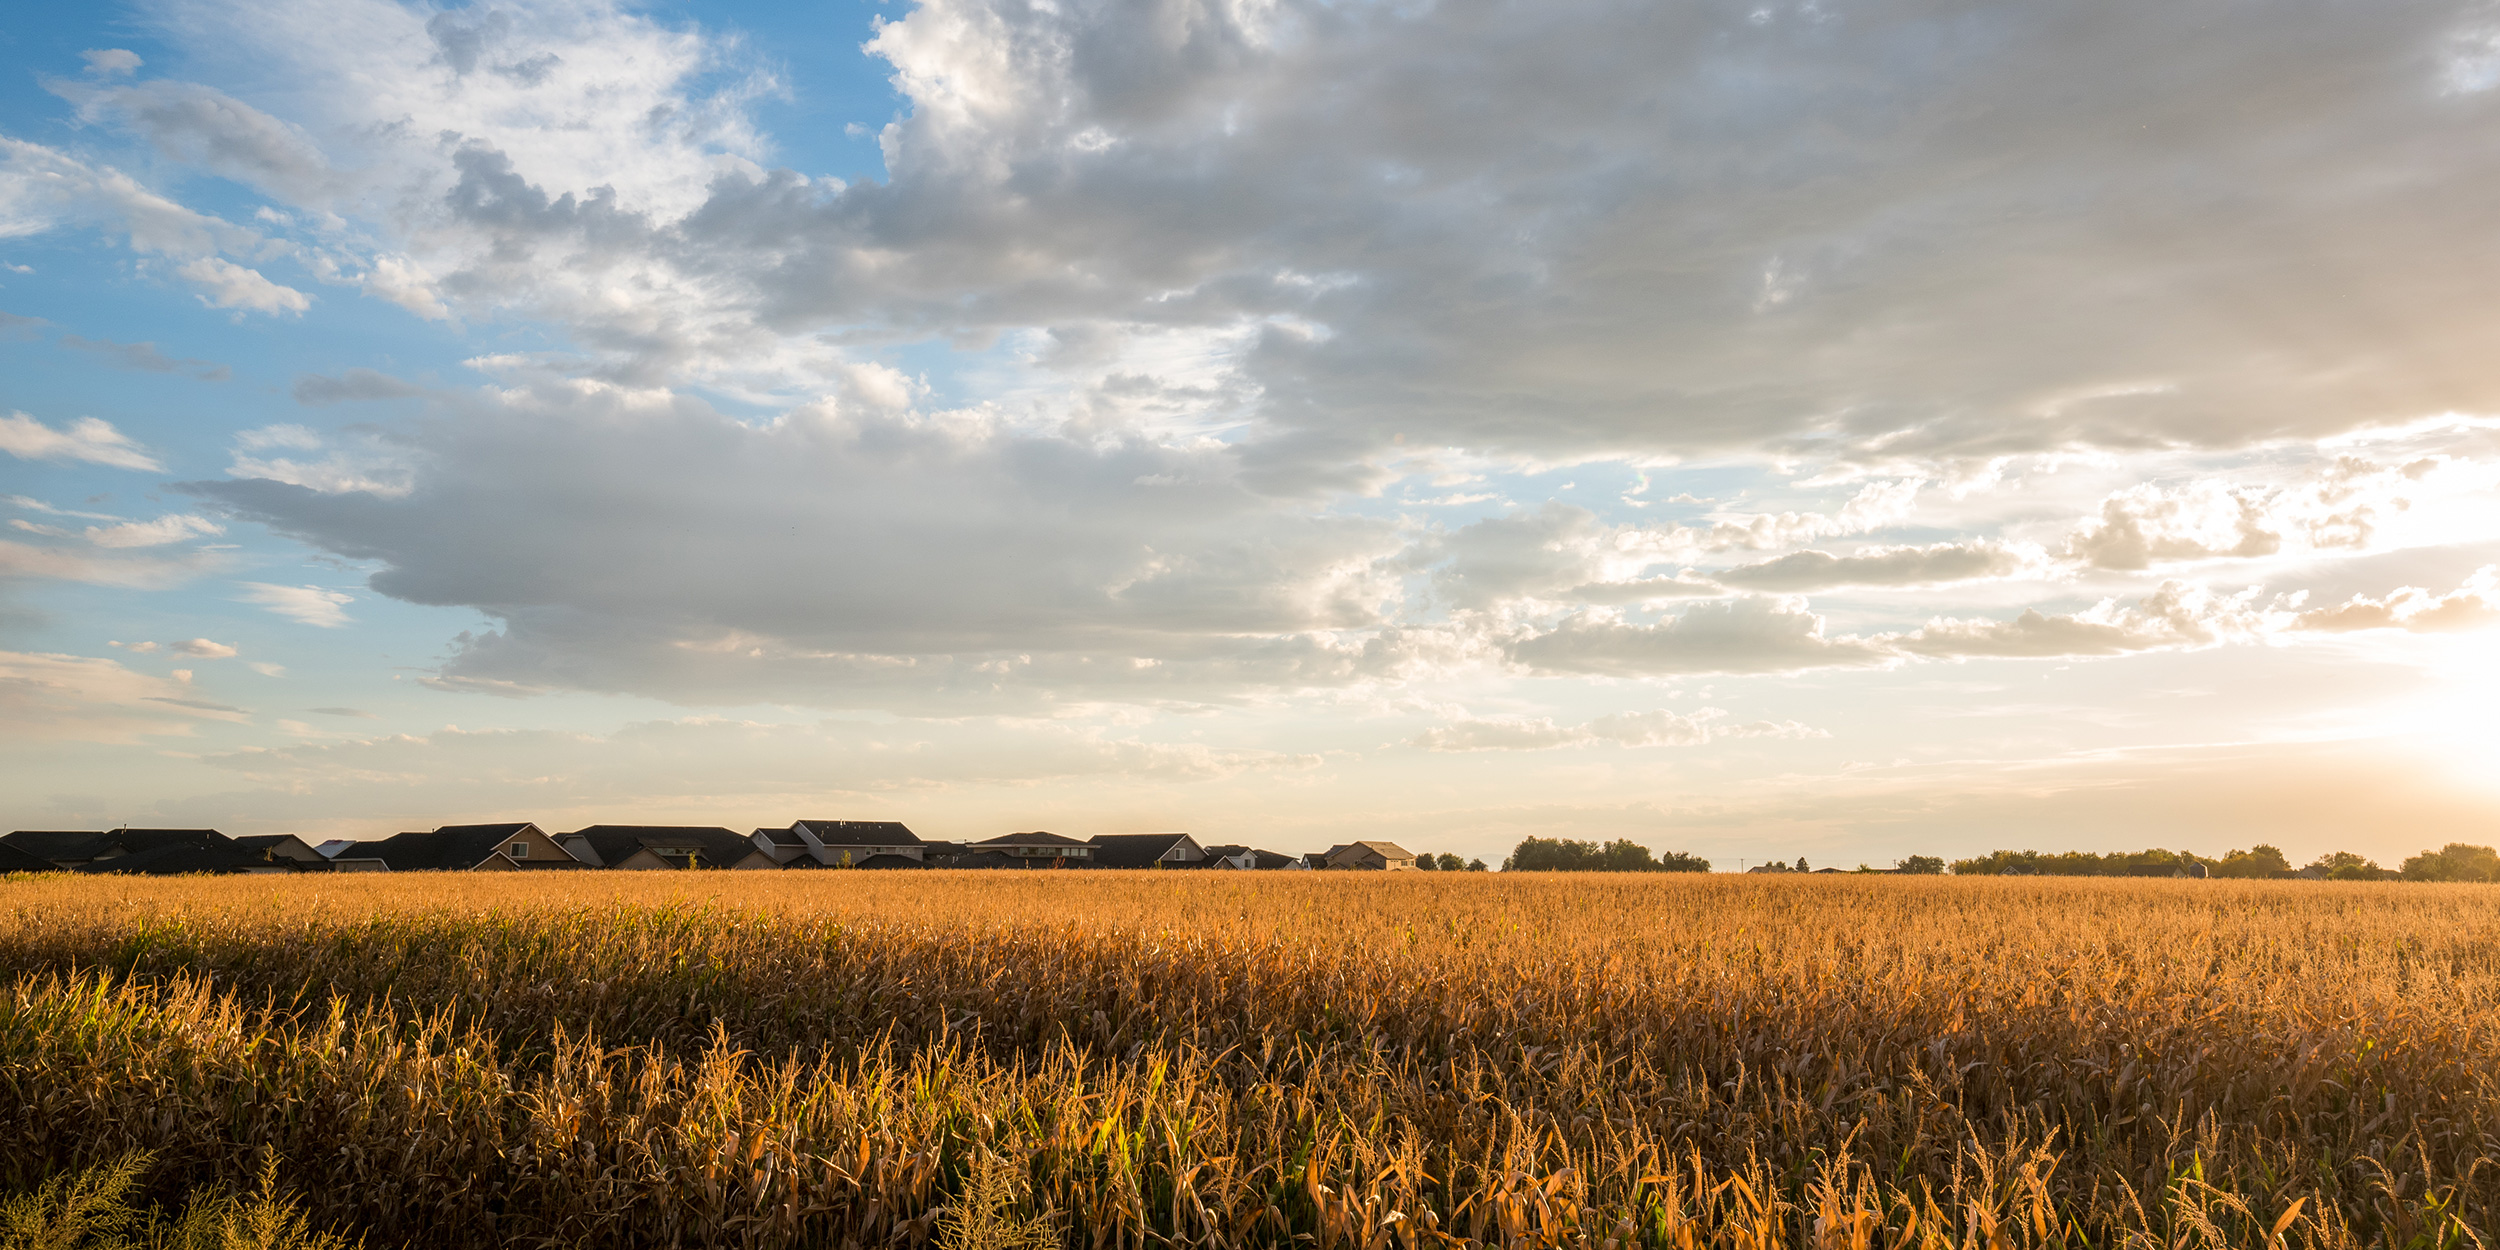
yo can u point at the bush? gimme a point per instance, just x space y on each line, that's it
93 1210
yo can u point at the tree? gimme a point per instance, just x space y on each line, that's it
1451 863
1921 865
1427 862
2346 866
1801 864
2455 862
1475 865
1620 855
2257 863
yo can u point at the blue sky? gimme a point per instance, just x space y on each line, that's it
1757 430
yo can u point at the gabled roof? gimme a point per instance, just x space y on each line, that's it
1027 839
860 832
73 845
173 858
714 847
781 837
15 860
1135 850
276 844
452 847
1386 850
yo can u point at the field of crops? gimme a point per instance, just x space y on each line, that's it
1211 1059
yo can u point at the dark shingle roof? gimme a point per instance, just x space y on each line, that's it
1028 839
173 858
15 860
861 832
1133 850
73 845
715 847
452 847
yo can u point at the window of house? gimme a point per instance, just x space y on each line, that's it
520 850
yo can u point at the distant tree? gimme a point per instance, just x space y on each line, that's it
2346 866
2257 863
2455 862
1801 864
1620 855
1920 865
1476 865
1427 862
1452 863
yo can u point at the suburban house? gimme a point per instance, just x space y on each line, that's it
664 846
284 846
177 858
458 848
840 843
1235 855
65 848
1033 850
1147 850
1370 856
15 860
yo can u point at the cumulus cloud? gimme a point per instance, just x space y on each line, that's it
1750 635
86 438
111 60
207 649
1629 729
225 284
2474 605
311 605
1877 566
2174 616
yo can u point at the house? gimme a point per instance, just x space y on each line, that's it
664 846
284 846
1037 850
172 859
840 843
15 860
890 861
72 848
459 848
1146 850
1370 857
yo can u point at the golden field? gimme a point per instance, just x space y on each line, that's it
1220 1059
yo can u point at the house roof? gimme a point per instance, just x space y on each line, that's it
451 847
15 860
275 844
172 858
65 844
1386 850
860 832
1028 839
715 847
1134 850
781 837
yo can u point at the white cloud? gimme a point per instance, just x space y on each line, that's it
1628 729
107 61
86 438
311 605
1751 635
204 648
46 696
2176 615
157 533
265 668
135 572
1880 566
228 285
2475 605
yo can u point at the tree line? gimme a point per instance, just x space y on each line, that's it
2457 861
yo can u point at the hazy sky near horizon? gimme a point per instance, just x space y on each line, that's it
1840 429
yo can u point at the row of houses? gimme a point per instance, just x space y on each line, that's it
524 847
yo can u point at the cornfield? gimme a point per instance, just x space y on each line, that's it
1344 1062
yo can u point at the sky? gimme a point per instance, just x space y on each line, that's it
1847 429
